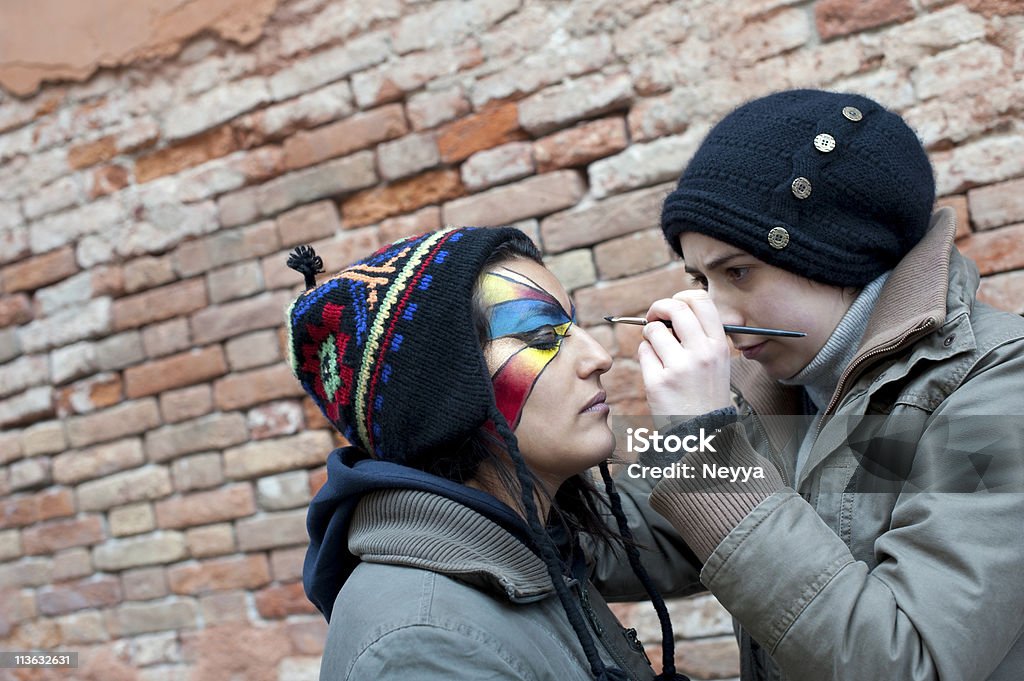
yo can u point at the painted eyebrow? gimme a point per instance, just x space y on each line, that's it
717 262
540 288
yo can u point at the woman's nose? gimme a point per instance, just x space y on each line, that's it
593 356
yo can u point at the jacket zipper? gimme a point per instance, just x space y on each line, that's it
850 370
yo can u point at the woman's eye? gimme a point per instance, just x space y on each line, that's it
544 338
699 280
737 273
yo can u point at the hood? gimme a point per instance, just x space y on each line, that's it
350 476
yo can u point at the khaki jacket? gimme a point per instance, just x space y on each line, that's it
853 571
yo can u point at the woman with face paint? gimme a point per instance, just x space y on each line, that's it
459 534
885 538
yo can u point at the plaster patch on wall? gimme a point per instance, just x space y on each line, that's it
52 40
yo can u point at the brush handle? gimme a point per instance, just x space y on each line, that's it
729 328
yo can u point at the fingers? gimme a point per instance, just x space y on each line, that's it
704 310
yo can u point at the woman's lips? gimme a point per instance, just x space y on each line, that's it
752 351
596 404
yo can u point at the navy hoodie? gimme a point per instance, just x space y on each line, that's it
349 476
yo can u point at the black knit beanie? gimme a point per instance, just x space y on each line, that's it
830 186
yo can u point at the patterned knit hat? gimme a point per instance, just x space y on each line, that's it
395 330
829 186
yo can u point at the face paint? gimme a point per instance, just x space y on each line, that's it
530 325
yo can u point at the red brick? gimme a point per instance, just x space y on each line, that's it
62 534
632 295
603 220
91 153
187 403
158 304
580 145
277 602
187 368
220 574
841 17
991 8
128 418
92 394
307 636
997 250
315 419
632 254
489 128
401 197
107 180
357 132
94 592
39 271
203 508
30 509
186 154
15 310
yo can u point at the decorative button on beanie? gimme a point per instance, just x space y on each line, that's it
388 350
829 186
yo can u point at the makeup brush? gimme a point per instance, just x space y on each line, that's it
729 328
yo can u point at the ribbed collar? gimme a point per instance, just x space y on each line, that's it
821 375
424 530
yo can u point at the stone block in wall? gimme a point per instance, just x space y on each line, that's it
836 18
212 432
645 164
1004 291
490 127
39 271
333 178
146 272
226 247
253 350
186 368
984 161
203 508
393 79
216 106
585 97
189 153
441 24
403 196
573 269
56 535
355 133
256 459
130 418
23 373
280 601
97 592
158 548
118 489
272 530
311 109
308 223
210 540
632 254
283 491
630 295
158 304
501 164
131 519
424 220
220 322
29 474
328 66
232 282
430 108
996 205
580 145
961 71
604 220
130 619
185 403
32 405
996 250
535 196
90 320
219 574
144 583
73 467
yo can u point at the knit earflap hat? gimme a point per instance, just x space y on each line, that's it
387 348
830 186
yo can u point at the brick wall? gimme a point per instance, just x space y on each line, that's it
156 453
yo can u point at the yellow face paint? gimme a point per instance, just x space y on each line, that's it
536 323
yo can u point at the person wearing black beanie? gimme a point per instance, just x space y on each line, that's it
876 532
448 540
